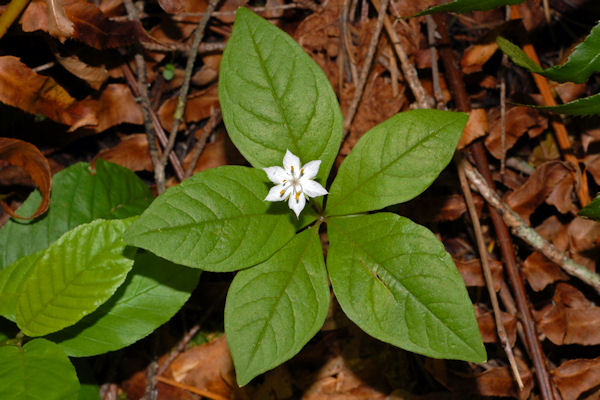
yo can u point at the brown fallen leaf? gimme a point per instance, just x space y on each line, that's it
209 71
473 276
28 157
571 319
59 25
552 182
23 88
94 75
132 152
115 105
477 126
476 55
540 272
487 326
90 25
573 377
519 120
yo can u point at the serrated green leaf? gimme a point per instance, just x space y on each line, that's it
394 279
582 62
153 292
275 97
274 308
395 161
586 106
463 6
216 221
79 195
592 210
38 370
11 280
74 276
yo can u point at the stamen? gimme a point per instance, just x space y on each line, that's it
292 167
302 172
282 192
297 196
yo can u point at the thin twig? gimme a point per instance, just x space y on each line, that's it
528 234
185 86
366 67
503 117
183 47
160 132
346 42
142 88
435 73
485 266
213 121
424 100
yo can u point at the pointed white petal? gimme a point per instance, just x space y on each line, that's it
312 188
276 174
278 193
310 169
297 202
291 163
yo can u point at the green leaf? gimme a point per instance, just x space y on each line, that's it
463 6
395 161
153 292
78 196
394 279
586 106
592 210
275 97
274 308
11 281
73 277
216 221
582 62
38 370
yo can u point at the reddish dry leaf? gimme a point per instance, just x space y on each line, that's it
90 25
546 150
116 105
59 25
573 377
571 319
540 272
519 120
554 231
592 163
476 55
28 157
22 88
477 126
213 155
197 108
209 71
132 152
552 183
569 91
473 276
171 6
583 234
487 326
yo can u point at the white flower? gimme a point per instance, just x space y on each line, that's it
294 182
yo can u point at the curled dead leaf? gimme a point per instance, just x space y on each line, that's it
552 182
115 105
59 25
540 272
132 152
28 157
574 377
473 276
476 55
477 126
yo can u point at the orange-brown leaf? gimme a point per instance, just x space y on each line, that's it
116 105
477 126
573 377
28 157
23 88
132 152
519 120
540 272
59 25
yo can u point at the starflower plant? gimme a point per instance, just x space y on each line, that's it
294 182
390 276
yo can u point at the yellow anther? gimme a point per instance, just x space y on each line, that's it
297 196
282 192
302 172
292 167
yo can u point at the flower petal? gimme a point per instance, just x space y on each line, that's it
312 188
291 163
275 193
276 174
297 202
311 169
